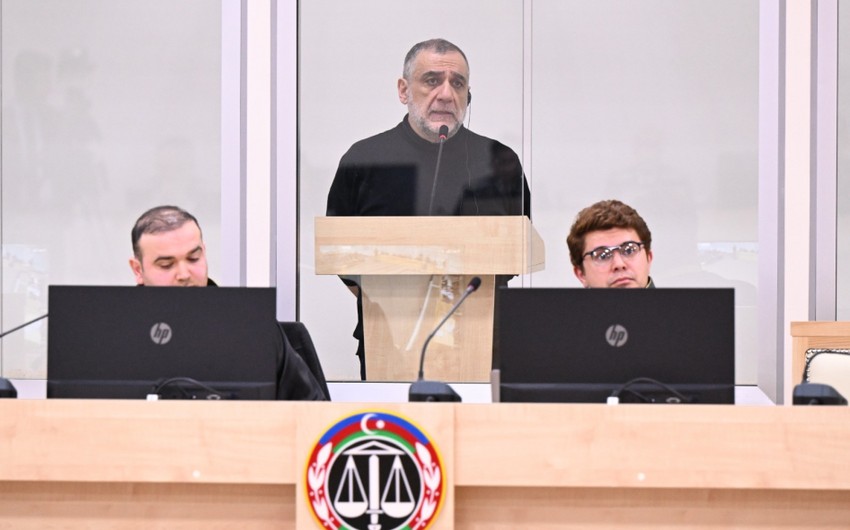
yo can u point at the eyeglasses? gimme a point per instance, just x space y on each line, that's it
602 255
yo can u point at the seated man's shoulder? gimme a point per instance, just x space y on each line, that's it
296 380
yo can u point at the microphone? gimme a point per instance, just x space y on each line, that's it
444 133
817 394
25 324
7 389
423 390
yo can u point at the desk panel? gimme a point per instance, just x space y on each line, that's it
123 464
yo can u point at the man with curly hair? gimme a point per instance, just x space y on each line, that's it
611 246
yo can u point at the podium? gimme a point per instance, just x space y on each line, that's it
411 271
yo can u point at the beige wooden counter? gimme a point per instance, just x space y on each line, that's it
123 464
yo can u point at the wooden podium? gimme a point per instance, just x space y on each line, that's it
412 270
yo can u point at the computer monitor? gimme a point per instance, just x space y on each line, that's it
583 345
180 343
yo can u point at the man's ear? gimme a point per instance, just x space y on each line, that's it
579 272
402 91
136 267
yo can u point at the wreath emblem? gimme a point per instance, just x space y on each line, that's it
374 471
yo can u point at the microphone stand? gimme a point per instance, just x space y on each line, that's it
7 389
423 390
444 132
25 324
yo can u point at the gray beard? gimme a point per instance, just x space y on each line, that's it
424 125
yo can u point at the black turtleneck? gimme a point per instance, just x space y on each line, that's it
392 173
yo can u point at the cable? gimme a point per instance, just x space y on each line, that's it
213 393
469 171
419 320
615 396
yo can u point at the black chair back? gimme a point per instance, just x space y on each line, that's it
299 338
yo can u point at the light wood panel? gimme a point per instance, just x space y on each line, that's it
649 509
427 245
146 441
157 506
640 446
121 464
400 311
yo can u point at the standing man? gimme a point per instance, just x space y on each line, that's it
403 171
169 251
611 246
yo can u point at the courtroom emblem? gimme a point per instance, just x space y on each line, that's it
376 471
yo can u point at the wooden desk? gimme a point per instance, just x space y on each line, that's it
129 464
807 335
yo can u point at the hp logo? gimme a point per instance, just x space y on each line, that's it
161 333
616 335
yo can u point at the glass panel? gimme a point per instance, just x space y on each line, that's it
654 103
843 197
351 57
109 107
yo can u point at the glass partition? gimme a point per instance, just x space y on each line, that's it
351 58
842 281
652 102
109 107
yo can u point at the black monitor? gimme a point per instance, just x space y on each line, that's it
167 343
564 345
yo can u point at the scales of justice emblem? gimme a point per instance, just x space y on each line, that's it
374 471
